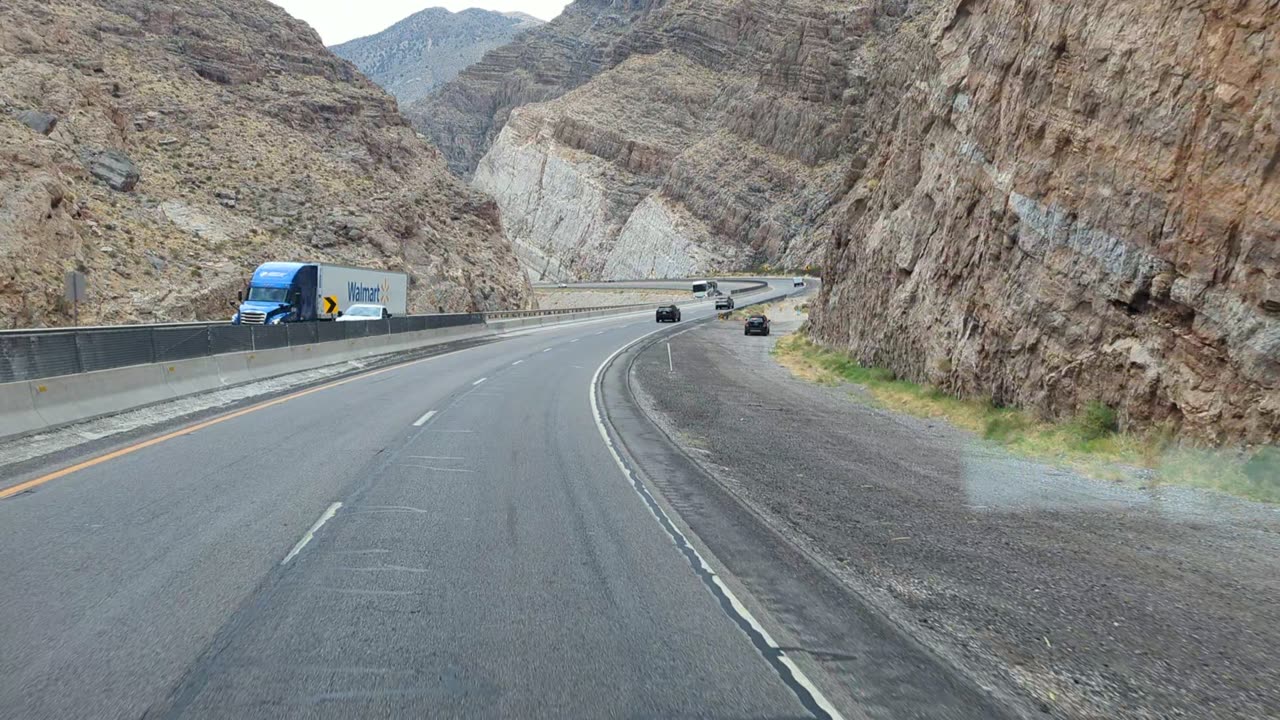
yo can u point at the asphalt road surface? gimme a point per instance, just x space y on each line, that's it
451 537
1086 599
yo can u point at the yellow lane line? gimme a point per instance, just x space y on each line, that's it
37 482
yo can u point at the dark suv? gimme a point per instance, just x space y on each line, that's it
756 325
669 313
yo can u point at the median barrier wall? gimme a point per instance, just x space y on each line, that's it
34 405
17 409
28 406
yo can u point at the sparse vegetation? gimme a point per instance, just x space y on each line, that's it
1091 442
1096 422
1254 475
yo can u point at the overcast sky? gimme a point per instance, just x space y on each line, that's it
338 21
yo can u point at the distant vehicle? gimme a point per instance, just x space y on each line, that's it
797 282
563 285
285 292
705 288
724 303
756 325
668 313
364 312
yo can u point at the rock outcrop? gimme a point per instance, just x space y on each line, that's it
1042 203
586 186
113 168
412 57
694 136
1067 202
464 116
165 149
43 123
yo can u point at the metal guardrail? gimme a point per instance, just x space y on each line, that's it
49 352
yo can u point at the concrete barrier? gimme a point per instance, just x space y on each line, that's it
188 377
17 409
35 405
69 398
233 368
264 364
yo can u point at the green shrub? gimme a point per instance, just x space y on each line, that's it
1098 420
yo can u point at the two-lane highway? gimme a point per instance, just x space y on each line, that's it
449 537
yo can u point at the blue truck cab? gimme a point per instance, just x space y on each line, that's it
279 292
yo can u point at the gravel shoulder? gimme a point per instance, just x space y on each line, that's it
1087 598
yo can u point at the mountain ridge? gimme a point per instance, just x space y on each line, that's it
430 47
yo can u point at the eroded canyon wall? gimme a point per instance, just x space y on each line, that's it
1070 202
662 138
1039 202
166 149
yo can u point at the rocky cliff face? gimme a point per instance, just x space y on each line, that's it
1043 203
167 149
428 48
1064 202
708 137
464 116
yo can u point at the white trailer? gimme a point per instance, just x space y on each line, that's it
359 285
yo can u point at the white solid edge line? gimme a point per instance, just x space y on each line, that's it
738 607
479 381
425 417
333 510
517 362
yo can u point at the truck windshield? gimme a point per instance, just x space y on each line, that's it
266 294
700 287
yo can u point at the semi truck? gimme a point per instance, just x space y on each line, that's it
284 292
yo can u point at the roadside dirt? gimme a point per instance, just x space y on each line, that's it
1094 600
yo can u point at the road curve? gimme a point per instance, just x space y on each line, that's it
450 537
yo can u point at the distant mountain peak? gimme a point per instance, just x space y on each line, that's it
525 17
430 47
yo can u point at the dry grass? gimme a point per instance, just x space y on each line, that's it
1090 442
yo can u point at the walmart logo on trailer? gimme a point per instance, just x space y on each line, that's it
361 293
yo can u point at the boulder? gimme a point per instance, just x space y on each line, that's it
115 169
41 122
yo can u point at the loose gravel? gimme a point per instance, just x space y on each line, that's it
1095 600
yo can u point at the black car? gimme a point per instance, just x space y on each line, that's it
669 313
756 325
